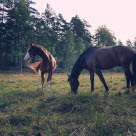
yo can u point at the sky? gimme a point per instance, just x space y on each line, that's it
119 16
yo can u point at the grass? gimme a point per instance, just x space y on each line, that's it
26 110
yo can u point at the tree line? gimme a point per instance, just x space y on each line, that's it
21 24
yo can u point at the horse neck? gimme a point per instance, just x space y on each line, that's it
77 68
42 54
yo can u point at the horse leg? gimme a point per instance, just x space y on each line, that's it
133 82
42 77
46 86
132 79
100 75
51 85
50 79
129 77
92 80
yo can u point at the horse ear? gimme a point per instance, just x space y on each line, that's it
68 74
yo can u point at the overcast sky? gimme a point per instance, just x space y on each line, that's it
118 15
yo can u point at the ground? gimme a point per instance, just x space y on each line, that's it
26 110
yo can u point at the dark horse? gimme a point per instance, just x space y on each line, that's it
47 65
95 59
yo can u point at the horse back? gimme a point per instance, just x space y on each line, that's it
109 57
124 54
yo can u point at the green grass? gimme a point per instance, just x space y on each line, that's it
26 110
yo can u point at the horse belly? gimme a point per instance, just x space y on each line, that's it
106 67
107 63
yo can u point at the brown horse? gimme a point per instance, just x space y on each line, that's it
47 65
95 59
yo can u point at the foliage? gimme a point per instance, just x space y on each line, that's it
128 42
135 42
119 42
21 25
103 37
80 30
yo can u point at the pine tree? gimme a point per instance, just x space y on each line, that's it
69 51
135 41
79 46
119 42
128 42
80 29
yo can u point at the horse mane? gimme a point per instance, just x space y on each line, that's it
77 65
47 53
80 63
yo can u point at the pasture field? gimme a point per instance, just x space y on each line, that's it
26 110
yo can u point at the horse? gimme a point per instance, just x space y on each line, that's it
95 59
47 65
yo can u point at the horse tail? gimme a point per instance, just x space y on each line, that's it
36 67
134 67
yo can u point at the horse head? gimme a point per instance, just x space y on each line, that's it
74 83
31 52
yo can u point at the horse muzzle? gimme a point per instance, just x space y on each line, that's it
74 92
27 57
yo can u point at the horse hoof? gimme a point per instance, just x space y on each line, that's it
74 93
119 93
127 92
133 87
106 92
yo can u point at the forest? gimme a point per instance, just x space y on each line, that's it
21 24
26 109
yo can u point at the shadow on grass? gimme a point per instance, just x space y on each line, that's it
19 120
81 103
92 114
18 97
82 114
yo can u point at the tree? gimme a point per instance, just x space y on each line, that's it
103 37
21 25
80 29
17 27
50 26
62 28
79 46
69 50
129 43
119 42
4 7
135 41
